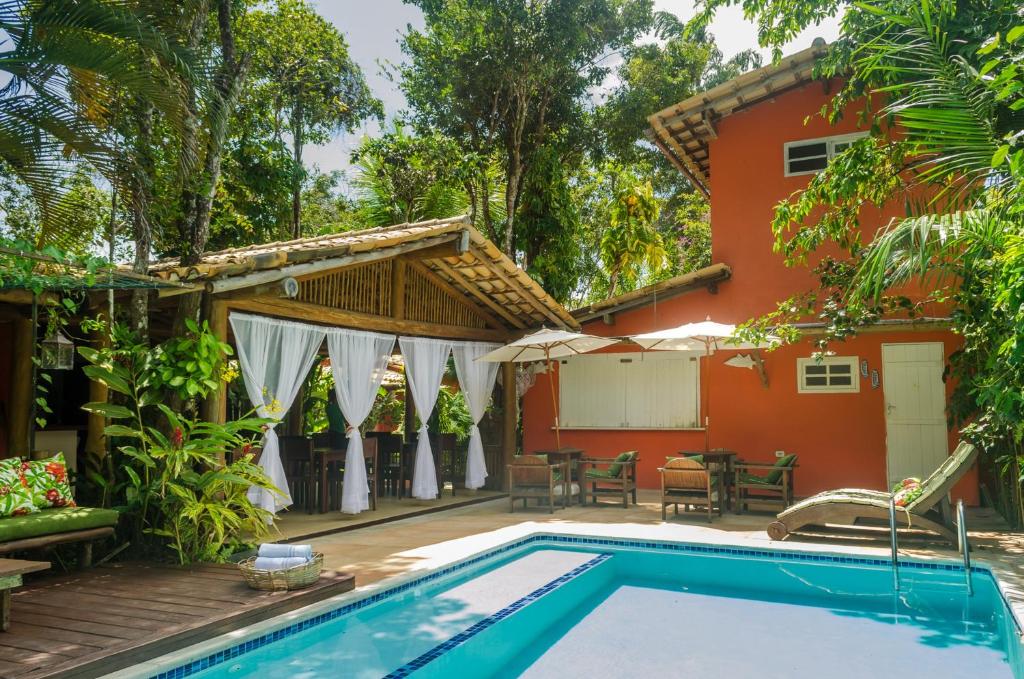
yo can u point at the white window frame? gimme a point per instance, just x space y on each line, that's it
611 397
853 387
830 150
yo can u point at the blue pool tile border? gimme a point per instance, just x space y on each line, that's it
242 648
467 634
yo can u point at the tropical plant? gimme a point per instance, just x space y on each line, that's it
631 245
172 479
63 62
451 414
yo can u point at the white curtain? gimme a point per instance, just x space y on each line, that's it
425 361
275 357
477 381
358 362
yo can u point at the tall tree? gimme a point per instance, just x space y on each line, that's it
302 73
65 63
510 75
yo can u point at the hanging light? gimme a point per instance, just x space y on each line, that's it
57 352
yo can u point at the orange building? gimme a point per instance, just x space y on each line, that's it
870 415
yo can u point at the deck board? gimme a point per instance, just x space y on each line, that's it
98 621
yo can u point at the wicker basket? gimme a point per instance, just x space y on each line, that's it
296 577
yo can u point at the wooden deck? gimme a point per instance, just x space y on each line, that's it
98 621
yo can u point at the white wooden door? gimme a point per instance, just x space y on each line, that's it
915 409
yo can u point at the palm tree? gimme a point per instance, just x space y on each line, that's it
66 63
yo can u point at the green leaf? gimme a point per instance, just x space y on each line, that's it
1014 34
120 430
1000 155
107 409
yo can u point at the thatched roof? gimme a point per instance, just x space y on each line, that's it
708 277
454 254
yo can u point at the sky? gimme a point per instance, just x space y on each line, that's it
373 30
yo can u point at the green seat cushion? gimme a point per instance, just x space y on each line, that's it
773 477
51 521
601 474
616 469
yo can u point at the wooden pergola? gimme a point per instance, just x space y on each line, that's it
440 278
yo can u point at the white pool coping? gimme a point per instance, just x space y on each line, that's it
444 554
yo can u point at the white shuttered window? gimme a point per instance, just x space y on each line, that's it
650 390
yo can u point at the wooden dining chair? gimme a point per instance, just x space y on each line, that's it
297 461
685 481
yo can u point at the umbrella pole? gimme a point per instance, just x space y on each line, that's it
707 398
554 401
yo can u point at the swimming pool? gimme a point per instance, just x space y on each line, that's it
562 606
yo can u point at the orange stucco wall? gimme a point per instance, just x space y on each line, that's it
840 438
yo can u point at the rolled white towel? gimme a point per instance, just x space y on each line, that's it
276 550
278 563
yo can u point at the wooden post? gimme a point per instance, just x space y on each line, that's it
215 407
95 439
21 389
398 289
510 403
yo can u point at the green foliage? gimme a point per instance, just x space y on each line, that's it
409 178
171 479
451 414
631 245
190 366
510 76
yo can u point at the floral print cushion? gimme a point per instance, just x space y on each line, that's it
15 495
47 479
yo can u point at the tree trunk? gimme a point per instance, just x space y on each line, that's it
298 138
197 198
142 233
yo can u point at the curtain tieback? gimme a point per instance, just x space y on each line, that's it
423 430
354 433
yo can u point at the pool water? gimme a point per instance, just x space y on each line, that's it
551 610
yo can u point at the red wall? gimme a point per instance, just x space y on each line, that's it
840 437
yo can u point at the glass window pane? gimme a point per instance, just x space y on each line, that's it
812 369
841 381
809 165
839 368
817 381
808 150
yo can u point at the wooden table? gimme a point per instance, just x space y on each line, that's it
11 571
723 460
326 456
568 456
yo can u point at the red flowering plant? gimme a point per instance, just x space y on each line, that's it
176 484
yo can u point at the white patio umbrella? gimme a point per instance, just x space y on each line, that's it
545 345
706 335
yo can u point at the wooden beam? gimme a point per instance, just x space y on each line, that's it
453 273
398 289
287 288
457 294
221 285
696 179
20 397
215 407
95 437
509 420
314 313
519 289
453 249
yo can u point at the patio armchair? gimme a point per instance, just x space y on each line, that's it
533 477
685 481
764 483
610 476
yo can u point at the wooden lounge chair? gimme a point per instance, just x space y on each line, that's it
685 481
531 476
773 485
610 476
849 506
